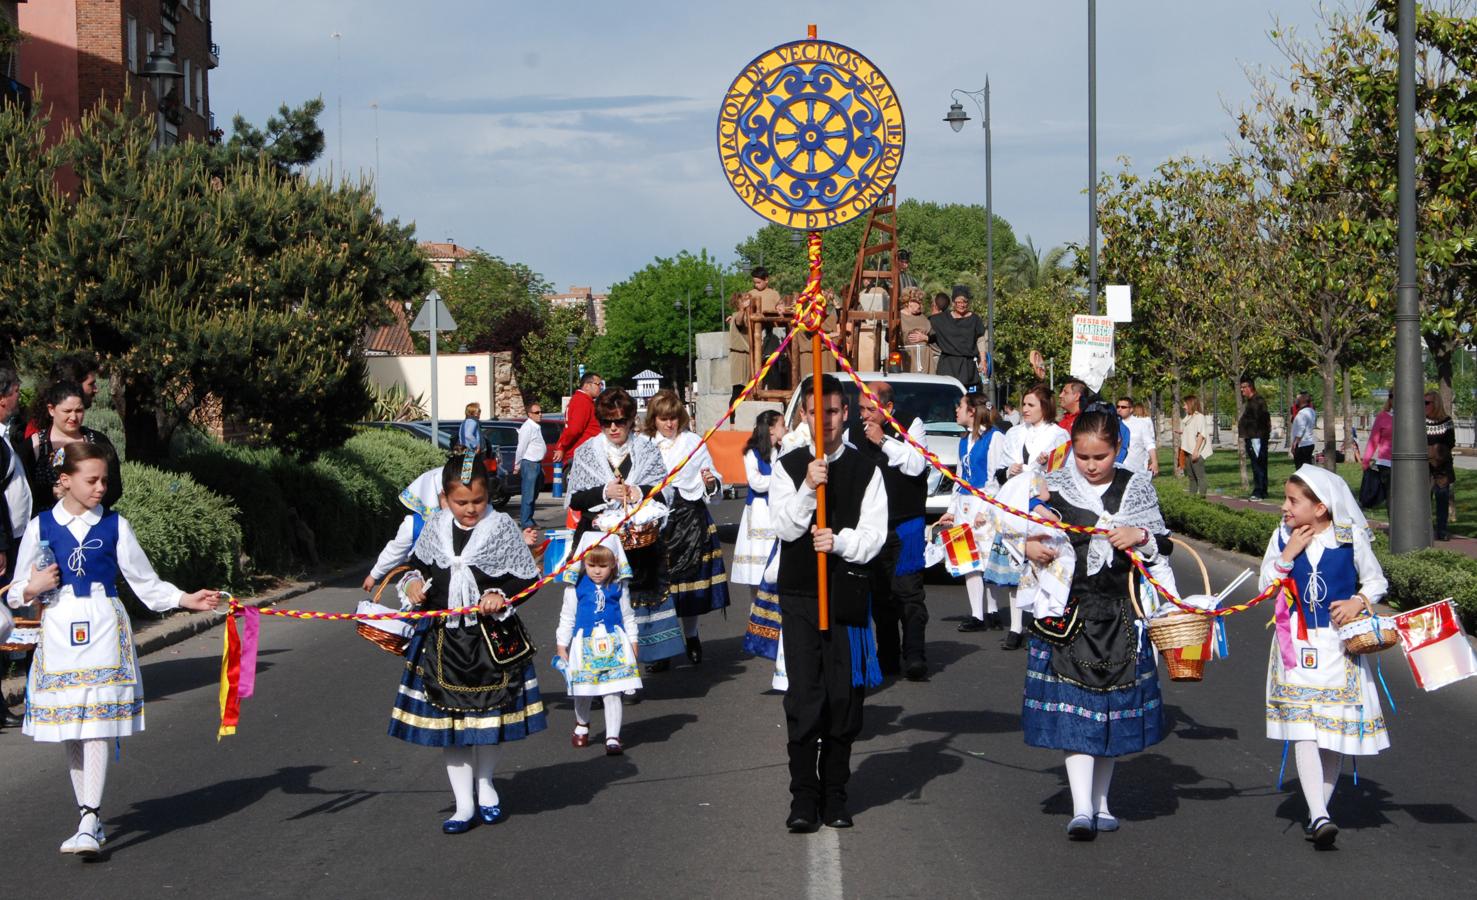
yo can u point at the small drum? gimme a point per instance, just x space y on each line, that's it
24 638
1369 634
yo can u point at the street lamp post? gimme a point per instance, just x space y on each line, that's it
571 341
1092 156
677 305
956 119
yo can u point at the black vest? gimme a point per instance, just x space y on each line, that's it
907 495
846 484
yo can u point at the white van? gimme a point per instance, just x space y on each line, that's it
932 398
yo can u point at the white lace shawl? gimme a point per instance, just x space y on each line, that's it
592 468
1139 508
496 547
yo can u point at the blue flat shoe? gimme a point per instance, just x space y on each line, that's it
490 815
1105 822
457 826
1080 829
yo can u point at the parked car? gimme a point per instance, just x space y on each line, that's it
932 398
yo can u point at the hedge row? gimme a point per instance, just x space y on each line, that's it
1415 578
340 506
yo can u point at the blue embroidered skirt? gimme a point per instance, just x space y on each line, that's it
698 581
1064 716
416 721
762 637
999 567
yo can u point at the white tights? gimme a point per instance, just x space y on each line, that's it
612 715
982 597
1017 617
466 766
1089 777
87 763
1318 772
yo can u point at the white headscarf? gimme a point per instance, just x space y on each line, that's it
423 495
1333 492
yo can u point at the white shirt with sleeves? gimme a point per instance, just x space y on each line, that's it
793 508
155 593
531 446
902 455
397 550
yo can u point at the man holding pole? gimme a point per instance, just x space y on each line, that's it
827 650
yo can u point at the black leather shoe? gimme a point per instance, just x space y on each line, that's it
839 818
917 670
993 620
694 651
802 823
1012 641
8 719
660 665
970 623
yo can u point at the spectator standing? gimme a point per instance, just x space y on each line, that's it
1195 444
61 425
15 492
469 435
579 419
1377 456
528 462
1254 428
960 337
1141 456
1440 441
1304 422
905 277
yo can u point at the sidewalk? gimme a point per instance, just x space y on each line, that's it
1457 544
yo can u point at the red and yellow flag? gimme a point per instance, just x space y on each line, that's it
1058 457
961 554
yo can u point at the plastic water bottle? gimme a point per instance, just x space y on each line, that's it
558 487
45 559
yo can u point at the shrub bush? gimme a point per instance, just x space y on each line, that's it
190 534
243 475
1415 579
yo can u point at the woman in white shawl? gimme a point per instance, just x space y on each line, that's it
614 470
1091 686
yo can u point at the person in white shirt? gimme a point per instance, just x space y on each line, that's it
1141 455
528 462
827 677
15 505
1195 444
1304 420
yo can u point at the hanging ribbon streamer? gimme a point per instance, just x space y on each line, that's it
230 696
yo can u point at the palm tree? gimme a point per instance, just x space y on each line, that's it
1028 267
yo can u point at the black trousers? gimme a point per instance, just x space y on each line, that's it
898 610
823 712
1302 456
1258 468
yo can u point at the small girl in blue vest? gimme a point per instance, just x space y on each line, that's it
594 641
83 689
1319 697
977 450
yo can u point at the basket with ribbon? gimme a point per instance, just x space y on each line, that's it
1182 638
24 637
1370 633
642 530
390 635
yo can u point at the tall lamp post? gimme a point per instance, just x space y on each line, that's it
677 305
571 341
1092 156
956 119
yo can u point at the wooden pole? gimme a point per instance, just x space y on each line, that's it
816 303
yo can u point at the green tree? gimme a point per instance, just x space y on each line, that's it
290 141
245 287
646 317
495 303
545 373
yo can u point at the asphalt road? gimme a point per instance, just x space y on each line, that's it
313 799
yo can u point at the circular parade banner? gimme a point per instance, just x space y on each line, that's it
810 134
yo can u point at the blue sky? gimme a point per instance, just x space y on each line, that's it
578 137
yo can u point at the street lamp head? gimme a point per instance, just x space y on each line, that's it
708 289
161 66
957 116
677 305
571 340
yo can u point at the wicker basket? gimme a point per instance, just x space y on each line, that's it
1370 633
1178 630
635 537
24 638
390 642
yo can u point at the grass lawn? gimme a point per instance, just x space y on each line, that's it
1223 473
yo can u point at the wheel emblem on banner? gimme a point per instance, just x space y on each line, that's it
810 134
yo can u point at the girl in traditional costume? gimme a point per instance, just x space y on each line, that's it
755 548
83 689
1091 686
1320 697
469 682
596 640
613 471
698 582
975 456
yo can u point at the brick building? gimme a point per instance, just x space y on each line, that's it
77 53
444 256
590 304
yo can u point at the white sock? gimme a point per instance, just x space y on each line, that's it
74 768
1080 771
1017 617
974 585
459 762
1310 777
1332 765
581 715
689 626
486 762
992 604
613 716
1102 777
87 764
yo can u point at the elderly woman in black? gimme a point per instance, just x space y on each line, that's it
612 471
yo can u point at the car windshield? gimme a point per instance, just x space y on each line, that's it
931 402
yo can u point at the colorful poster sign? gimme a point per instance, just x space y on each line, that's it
1092 349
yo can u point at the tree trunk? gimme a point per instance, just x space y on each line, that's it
1330 432
1288 393
145 439
1350 441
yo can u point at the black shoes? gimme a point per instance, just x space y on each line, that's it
993 621
694 650
8 719
838 818
660 665
917 670
803 822
1322 832
1012 641
970 623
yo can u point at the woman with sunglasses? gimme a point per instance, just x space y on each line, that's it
614 470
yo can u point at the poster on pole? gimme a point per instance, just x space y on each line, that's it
1092 349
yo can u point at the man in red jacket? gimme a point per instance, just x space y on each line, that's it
579 420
